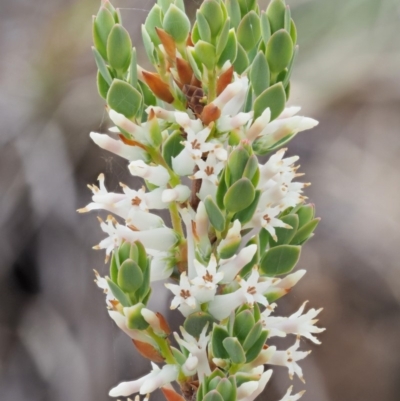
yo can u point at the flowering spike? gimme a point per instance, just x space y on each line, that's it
192 130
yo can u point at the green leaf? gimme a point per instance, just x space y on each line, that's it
130 276
225 389
244 322
279 51
119 294
259 74
113 268
154 20
124 99
306 213
101 65
195 323
223 38
148 95
280 260
172 147
288 75
221 190
212 12
102 26
177 24
249 31
215 215
234 12
246 6
102 85
285 235
124 252
203 27
213 383
213 395
165 4
239 196
135 320
276 14
206 53
253 336
251 170
237 163
197 67
245 215
304 233
265 28
235 350
288 19
293 32
119 48
230 51
219 334
274 97
148 45
255 350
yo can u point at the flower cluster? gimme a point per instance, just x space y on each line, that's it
192 132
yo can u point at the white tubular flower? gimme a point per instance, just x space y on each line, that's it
160 266
140 199
289 397
281 287
222 305
227 123
160 239
206 282
232 99
247 392
197 348
254 289
103 284
276 165
266 218
289 359
113 240
261 122
147 384
157 175
209 169
119 148
128 126
183 293
180 193
190 231
189 368
232 267
298 324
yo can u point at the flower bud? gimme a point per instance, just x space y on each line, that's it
229 245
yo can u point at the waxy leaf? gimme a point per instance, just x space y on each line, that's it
101 65
304 233
259 74
130 276
219 334
249 31
119 48
244 322
102 26
124 99
213 395
274 97
119 294
265 27
255 350
230 51
223 38
246 6
253 336
234 12
206 53
276 14
214 213
285 235
212 12
279 51
306 213
154 20
177 24
135 320
235 350
203 27
195 323
237 163
239 196
102 85
280 260
245 215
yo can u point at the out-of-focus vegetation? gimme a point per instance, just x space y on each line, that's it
56 341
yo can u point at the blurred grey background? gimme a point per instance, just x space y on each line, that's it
56 340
